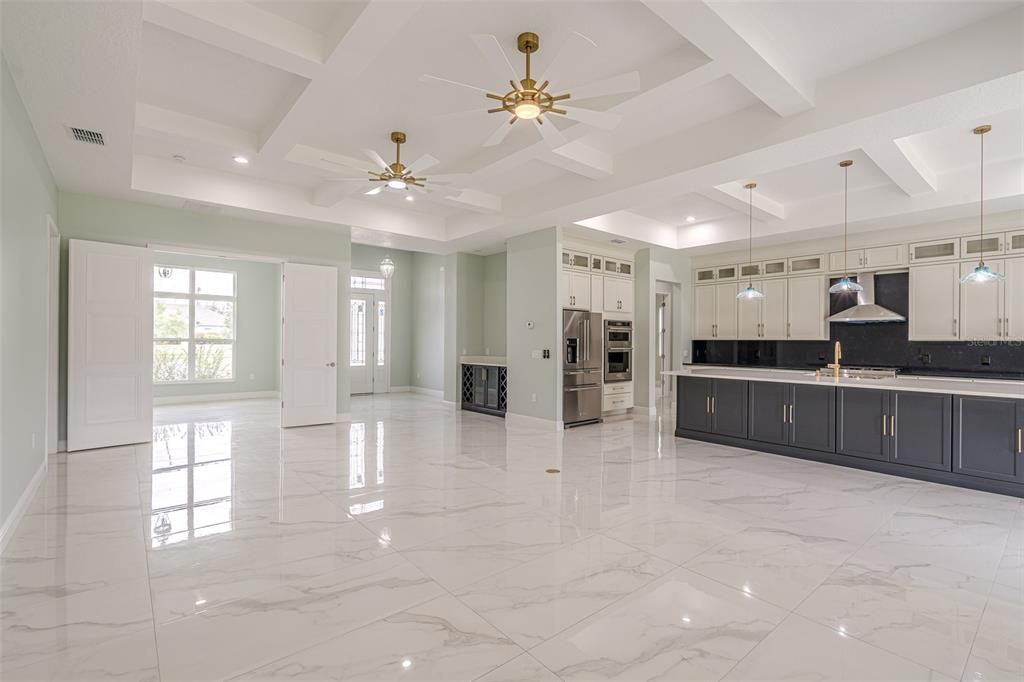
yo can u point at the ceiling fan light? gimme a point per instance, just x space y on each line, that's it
527 109
845 286
397 183
981 274
750 294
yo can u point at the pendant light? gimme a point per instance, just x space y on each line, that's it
750 293
981 273
845 285
387 268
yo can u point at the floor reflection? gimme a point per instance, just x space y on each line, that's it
357 465
192 481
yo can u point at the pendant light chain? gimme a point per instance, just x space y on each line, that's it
750 228
981 203
846 209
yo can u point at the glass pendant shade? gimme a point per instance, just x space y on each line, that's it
845 286
387 268
981 274
750 294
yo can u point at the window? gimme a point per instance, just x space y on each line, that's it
357 327
361 282
193 325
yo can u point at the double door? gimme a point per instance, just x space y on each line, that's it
764 318
712 406
895 426
714 311
369 342
994 311
988 437
618 295
800 415
575 290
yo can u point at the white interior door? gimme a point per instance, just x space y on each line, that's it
110 345
309 377
369 351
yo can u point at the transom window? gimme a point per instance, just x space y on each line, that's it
193 325
361 282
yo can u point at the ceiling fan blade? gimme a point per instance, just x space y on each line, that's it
430 77
377 159
624 82
448 179
495 56
599 119
417 188
421 164
374 191
552 135
568 43
498 135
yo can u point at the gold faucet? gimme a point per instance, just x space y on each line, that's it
834 365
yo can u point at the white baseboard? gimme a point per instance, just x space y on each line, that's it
62 446
399 389
343 417
213 397
8 527
522 421
642 409
434 393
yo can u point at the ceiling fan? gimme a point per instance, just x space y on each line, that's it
396 176
531 99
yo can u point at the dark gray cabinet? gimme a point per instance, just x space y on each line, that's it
485 389
920 425
987 434
793 414
712 406
862 423
895 426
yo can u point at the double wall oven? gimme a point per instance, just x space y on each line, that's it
618 351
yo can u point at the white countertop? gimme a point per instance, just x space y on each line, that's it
491 360
992 388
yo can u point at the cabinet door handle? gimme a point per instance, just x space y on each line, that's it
712 404
783 413
885 423
789 329
790 414
892 426
954 327
707 404
1019 449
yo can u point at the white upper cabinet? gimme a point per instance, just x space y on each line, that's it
774 308
704 312
808 300
940 249
618 295
981 307
934 302
853 260
597 293
565 289
990 245
725 311
726 273
1015 242
749 312
575 290
1013 305
704 275
892 256
617 266
750 271
807 264
775 267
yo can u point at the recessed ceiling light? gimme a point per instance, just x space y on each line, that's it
241 159
408 197
690 219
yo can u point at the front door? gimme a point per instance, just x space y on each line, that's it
369 348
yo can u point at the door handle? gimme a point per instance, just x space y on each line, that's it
582 388
892 426
790 414
1019 449
712 404
783 413
885 423
707 404
330 364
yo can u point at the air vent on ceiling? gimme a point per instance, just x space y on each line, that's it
87 136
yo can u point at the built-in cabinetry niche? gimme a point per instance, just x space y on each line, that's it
796 302
598 283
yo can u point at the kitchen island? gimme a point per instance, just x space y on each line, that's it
965 432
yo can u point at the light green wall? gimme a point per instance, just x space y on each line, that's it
428 316
470 299
368 258
28 196
83 216
533 267
495 307
651 266
257 348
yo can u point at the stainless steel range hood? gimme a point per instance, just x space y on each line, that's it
866 311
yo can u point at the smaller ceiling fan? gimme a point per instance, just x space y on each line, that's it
397 176
531 99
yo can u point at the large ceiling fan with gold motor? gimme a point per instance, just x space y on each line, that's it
396 176
531 99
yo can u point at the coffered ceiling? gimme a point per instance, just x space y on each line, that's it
775 92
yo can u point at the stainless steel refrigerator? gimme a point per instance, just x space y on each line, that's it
582 362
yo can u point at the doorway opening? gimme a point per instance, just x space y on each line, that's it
664 338
370 330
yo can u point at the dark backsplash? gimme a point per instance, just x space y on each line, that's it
874 345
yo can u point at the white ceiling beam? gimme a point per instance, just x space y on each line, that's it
734 195
244 29
902 165
475 200
700 24
582 159
370 34
152 119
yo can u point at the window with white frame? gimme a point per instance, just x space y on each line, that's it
193 325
